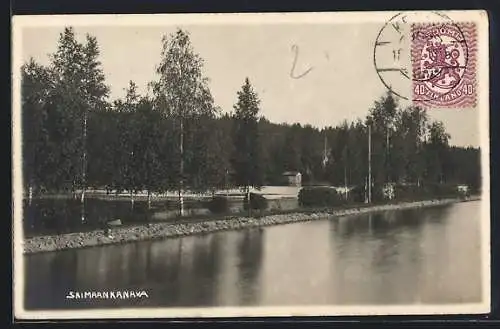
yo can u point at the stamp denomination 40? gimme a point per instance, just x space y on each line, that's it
443 58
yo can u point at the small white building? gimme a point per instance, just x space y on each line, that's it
463 189
293 178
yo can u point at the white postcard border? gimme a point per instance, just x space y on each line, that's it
20 22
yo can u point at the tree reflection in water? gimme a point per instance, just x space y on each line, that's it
426 255
250 253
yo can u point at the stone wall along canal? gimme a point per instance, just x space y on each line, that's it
427 255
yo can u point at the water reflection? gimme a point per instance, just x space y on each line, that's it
400 257
250 253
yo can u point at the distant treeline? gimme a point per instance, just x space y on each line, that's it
176 137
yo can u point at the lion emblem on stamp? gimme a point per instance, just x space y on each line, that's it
443 64
428 59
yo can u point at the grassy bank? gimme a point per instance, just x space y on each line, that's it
208 224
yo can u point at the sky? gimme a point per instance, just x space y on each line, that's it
342 83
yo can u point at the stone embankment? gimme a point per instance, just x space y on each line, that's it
171 230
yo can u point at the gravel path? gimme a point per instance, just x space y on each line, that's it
170 230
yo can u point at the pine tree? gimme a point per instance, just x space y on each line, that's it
148 164
437 151
384 115
128 126
246 157
292 150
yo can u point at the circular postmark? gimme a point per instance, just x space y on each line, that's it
421 56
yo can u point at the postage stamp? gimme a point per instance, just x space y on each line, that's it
443 58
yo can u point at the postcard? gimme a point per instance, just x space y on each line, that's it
235 165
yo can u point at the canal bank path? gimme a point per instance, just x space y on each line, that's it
161 230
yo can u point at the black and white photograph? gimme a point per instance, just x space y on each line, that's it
272 164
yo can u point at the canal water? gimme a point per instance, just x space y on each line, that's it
429 255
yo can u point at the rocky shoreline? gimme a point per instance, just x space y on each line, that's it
171 230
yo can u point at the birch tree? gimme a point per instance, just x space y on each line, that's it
36 86
182 94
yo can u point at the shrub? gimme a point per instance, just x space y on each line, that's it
441 190
218 205
408 192
357 194
257 202
319 197
378 193
427 190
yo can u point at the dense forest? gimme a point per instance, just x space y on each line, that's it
177 138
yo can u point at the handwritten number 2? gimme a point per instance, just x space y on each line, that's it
295 49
